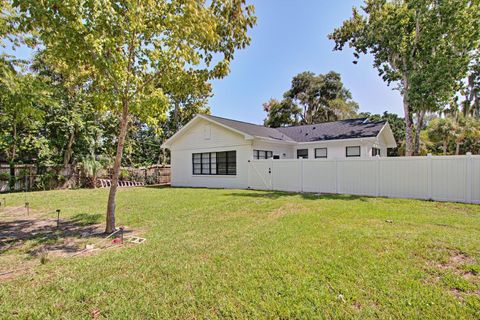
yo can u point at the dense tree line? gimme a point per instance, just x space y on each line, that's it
46 119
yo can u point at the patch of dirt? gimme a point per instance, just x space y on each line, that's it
457 263
28 239
456 260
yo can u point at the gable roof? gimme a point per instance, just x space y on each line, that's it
337 130
251 129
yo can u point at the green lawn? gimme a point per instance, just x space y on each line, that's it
248 254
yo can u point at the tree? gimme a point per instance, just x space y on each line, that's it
397 124
422 45
20 96
132 48
281 113
312 99
471 104
443 131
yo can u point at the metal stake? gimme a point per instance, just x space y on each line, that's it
28 208
121 234
58 218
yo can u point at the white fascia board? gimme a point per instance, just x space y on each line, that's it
275 140
392 143
167 144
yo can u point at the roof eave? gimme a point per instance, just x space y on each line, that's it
167 144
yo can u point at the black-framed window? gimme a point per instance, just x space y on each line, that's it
353 151
320 153
214 163
302 153
262 154
376 152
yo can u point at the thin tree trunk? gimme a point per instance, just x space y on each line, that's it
110 223
11 183
418 129
457 149
408 126
445 146
68 149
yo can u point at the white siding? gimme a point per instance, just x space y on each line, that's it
209 137
285 151
337 149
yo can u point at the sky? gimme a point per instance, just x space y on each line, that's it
291 37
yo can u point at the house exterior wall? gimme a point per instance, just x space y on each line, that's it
284 150
337 149
209 137
206 136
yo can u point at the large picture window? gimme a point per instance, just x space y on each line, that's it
320 153
262 154
215 163
353 151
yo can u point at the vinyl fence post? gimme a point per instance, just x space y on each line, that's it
430 177
468 178
303 174
271 173
337 187
377 176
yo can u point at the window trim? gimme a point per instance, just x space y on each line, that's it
326 153
228 162
378 150
302 150
353 156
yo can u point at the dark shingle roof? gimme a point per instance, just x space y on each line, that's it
252 129
343 129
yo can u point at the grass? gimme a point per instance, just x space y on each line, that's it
250 254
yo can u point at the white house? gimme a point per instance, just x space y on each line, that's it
214 152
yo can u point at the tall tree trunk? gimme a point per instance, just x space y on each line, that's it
110 223
457 149
68 149
418 129
408 126
445 146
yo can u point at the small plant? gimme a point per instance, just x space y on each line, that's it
91 168
43 255
4 176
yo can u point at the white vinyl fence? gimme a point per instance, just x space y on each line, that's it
442 178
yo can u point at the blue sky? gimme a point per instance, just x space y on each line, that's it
291 37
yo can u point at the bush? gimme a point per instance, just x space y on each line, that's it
4 176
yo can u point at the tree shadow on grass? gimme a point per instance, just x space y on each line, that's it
308 196
33 235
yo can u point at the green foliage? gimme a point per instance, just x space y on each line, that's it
312 99
281 113
424 46
454 135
